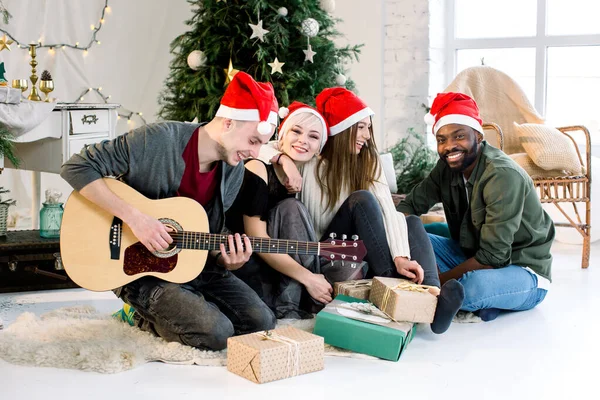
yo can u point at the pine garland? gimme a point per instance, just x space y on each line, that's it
221 31
7 147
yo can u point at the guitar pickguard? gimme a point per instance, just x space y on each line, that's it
139 260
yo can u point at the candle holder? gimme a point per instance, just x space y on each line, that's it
33 96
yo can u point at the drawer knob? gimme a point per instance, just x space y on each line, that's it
89 119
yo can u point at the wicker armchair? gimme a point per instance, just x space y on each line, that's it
565 190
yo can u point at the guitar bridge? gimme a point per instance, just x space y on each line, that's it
114 238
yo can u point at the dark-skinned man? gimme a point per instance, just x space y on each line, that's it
499 248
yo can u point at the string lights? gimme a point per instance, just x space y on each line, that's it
125 114
95 29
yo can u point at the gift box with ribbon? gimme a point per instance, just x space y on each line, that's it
403 300
272 355
358 289
357 325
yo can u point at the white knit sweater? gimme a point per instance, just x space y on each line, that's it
394 221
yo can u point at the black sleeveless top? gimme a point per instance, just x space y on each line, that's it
255 198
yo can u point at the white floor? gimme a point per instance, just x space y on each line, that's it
549 352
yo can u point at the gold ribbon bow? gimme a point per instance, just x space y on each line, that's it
293 361
403 285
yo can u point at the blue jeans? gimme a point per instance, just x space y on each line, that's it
510 288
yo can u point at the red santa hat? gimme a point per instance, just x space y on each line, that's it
248 100
453 108
298 108
341 109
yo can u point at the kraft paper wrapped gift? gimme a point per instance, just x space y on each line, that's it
358 289
403 300
278 354
357 325
10 95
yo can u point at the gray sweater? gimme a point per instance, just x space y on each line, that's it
149 159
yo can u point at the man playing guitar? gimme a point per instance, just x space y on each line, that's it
202 162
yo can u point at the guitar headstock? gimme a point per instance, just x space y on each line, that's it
343 250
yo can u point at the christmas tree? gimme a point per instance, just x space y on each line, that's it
286 42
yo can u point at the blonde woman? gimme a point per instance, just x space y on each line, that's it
266 208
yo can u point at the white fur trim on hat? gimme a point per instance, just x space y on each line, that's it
240 114
264 128
284 127
351 120
429 119
283 112
457 119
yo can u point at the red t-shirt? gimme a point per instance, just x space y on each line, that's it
197 185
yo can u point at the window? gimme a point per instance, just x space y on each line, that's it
551 48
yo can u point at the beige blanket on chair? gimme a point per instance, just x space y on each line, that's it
500 100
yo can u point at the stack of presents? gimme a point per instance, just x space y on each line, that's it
374 317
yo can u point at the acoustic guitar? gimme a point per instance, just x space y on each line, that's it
99 252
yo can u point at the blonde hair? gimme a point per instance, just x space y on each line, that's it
306 120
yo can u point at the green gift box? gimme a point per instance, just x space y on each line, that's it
346 328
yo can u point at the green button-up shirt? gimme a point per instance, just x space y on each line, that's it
502 222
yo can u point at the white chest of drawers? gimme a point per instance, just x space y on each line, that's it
64 133
69 128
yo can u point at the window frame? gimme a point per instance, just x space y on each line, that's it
540 42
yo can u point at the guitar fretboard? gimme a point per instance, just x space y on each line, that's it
211 241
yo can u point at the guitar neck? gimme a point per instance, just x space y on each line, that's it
211 241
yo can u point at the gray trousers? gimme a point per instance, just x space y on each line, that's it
288 298
202 313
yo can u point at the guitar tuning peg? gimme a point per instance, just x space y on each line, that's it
354 237
344 237
332 235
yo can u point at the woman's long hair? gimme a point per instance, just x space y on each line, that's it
339 168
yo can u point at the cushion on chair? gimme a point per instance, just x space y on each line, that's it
535 172
549 148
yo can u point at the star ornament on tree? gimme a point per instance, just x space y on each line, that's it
230 72
258 31
309 53
5 43
276 66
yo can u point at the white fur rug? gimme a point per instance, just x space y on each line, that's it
81 338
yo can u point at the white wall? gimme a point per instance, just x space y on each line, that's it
406 67
132 62
393 74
